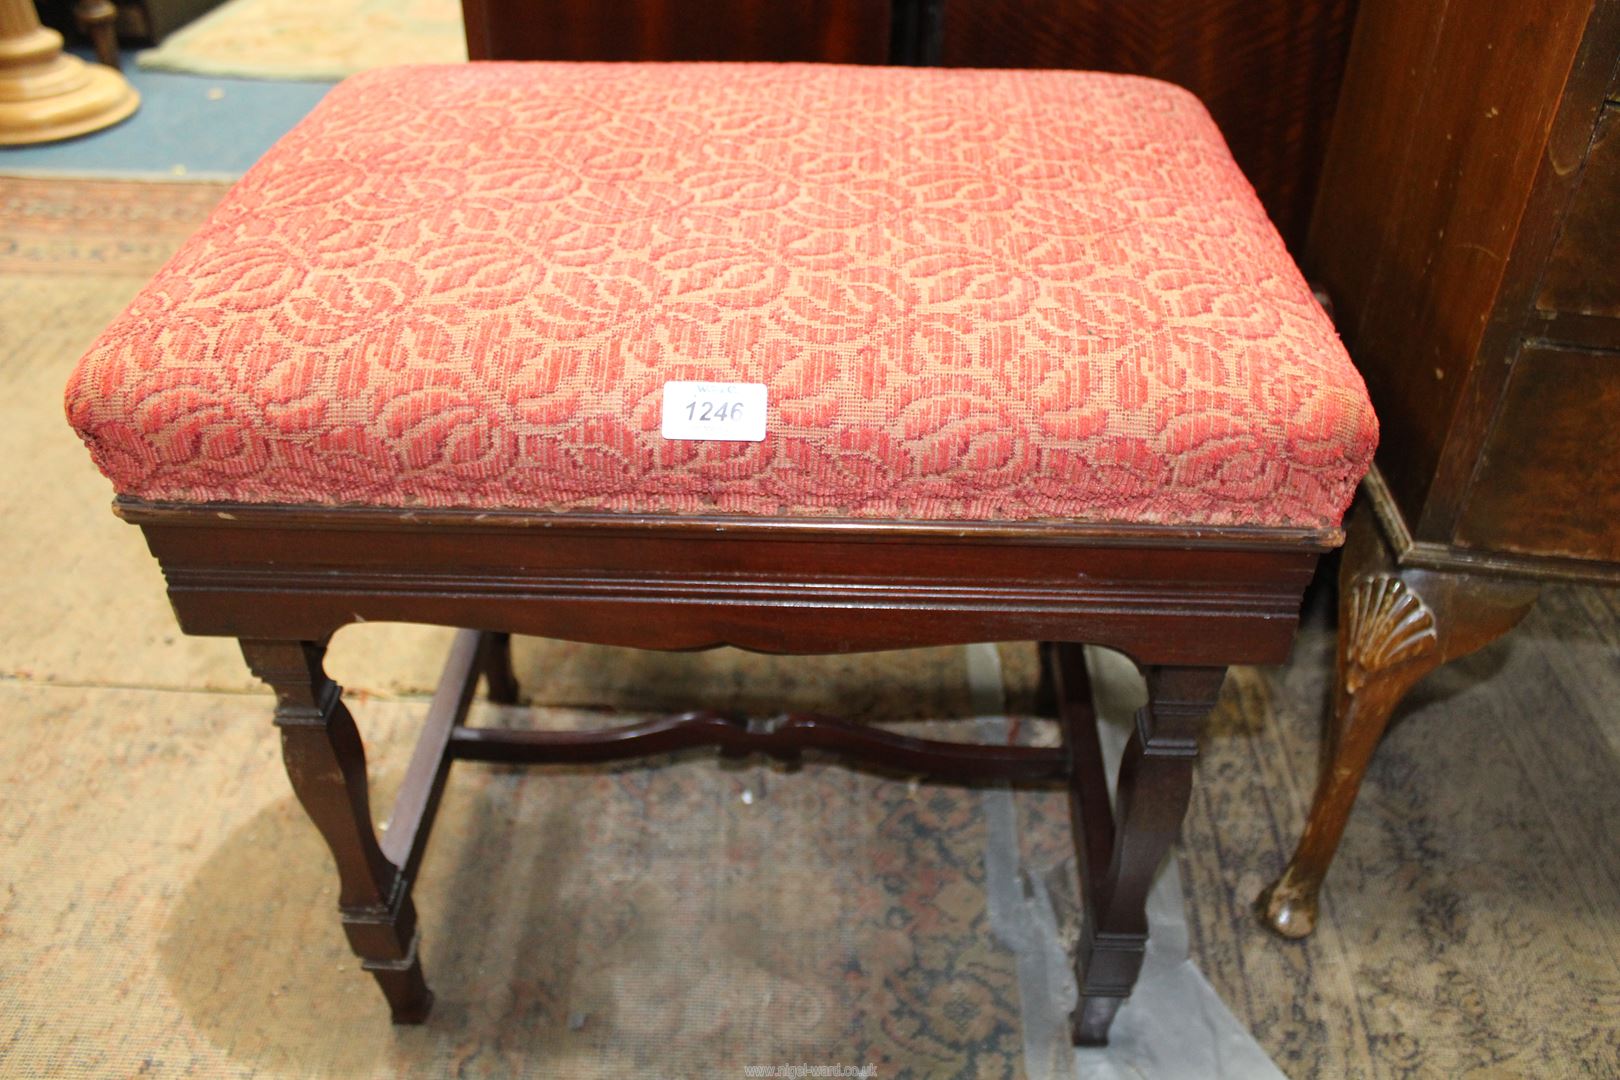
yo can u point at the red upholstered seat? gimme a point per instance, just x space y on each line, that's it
972 294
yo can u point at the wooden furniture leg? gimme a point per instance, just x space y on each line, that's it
1185 605
1050 654
47 94
326 763
1396 624
1120 850
98 19
495 664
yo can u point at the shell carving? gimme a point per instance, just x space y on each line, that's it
1385 624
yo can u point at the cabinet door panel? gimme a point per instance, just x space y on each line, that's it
1549 480
1583 274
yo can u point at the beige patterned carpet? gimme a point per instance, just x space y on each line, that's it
1471 923
165 909
312 39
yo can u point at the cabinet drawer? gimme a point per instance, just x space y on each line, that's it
1548 482
1583 272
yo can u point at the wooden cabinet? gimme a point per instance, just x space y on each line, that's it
843 31
1548 483
1469 208
1467 229
1580 279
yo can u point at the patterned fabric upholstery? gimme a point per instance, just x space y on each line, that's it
1002 295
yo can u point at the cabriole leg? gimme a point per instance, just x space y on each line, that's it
1396 625
326 763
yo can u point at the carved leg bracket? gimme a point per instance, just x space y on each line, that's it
1396 625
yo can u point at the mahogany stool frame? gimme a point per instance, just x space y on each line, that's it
1183 603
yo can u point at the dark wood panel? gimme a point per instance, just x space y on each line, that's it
1555 181
1583 274
1443 124
1268 70
844 31
780 586
1549 481
1574 331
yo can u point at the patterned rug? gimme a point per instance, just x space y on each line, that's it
312 39
1471 922
166 909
